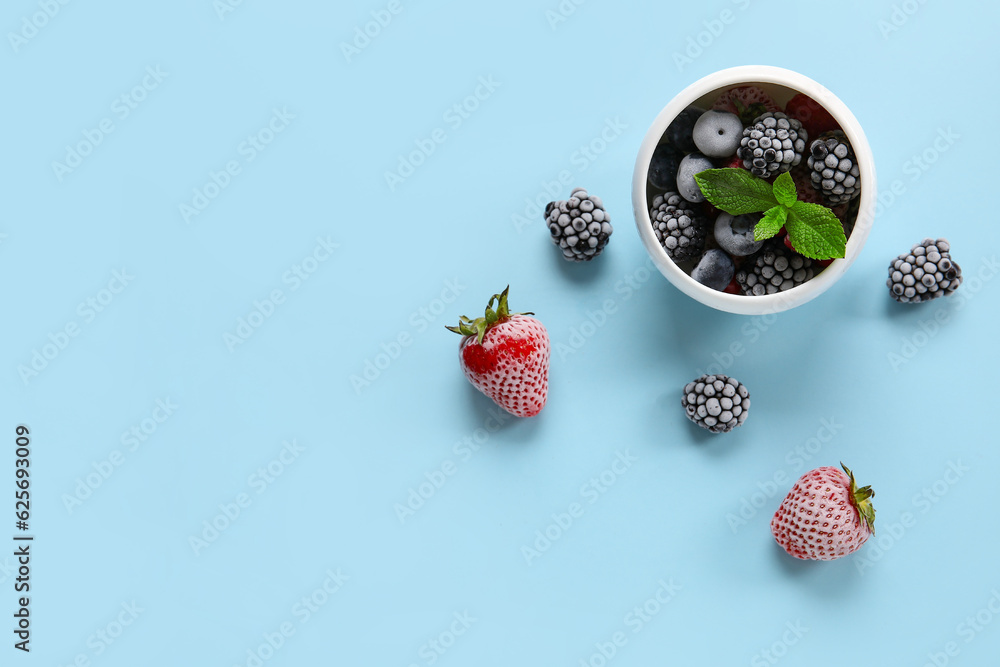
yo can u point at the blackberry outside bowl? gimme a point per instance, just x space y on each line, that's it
782 85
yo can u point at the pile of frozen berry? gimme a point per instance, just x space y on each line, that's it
746 129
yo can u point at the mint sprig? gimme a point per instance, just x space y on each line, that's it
784 190
772 222
813 229
735 191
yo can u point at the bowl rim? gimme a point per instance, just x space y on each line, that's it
768 303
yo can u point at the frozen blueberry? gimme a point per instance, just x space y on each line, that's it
663 167
687 187
715 269
734 234
718 133
679 131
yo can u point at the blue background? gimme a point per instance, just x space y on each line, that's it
910 391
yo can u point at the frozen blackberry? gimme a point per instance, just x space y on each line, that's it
773 144
833 168
774 269
678 228
924 273
716 402
579 225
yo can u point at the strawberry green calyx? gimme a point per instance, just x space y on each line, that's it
861 499
479 326
747 114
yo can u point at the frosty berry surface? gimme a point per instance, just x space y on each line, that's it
764 100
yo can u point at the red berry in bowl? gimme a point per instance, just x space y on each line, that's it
811 114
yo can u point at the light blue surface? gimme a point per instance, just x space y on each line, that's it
412 258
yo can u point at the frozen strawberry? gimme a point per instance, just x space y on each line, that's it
825 516
811 114
506 356
747 102
804 188
734 163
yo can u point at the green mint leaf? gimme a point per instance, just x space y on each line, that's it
771 223
735 191
815 231
784 190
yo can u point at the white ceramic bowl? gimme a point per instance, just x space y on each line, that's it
782 85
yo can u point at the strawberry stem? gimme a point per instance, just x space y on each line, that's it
748 114
861 499
479 326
